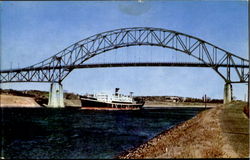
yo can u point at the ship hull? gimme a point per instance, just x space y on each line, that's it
90 104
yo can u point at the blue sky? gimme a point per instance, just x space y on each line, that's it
33 31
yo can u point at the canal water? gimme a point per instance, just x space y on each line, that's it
69 133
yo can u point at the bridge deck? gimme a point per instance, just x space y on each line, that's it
129 64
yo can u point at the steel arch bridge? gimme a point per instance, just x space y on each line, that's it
57 67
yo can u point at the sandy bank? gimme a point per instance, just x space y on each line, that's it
220 132
17 101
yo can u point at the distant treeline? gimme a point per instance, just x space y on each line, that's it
28 93
178 99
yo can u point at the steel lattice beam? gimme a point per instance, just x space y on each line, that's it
57 67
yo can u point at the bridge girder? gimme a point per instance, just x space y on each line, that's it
78 53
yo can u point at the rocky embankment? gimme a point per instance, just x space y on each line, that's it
220 132
17 101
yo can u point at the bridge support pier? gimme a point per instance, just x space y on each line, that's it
56 96
228 93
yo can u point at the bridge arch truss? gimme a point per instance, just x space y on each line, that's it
57 67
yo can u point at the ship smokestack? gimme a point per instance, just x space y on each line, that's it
131 94
116 91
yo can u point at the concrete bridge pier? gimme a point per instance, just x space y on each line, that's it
56 96
228 93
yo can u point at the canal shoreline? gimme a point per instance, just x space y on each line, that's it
9 100
212 133
218 132
170 105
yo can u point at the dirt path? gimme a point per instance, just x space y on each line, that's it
221 132
17 101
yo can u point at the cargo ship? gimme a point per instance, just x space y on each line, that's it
116 101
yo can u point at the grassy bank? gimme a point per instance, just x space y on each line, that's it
220 132
235 126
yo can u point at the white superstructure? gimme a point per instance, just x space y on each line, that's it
106 101
109 98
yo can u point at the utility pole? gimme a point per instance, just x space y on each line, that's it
205 97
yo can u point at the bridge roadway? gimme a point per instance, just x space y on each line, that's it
125 64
